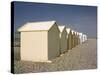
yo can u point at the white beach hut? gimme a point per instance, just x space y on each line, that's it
85 37
39 41
63 39
81 38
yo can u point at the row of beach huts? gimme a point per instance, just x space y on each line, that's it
46 40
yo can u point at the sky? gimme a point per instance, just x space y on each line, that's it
79 18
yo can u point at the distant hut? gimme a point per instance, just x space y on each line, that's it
85 37
81 38
73 38
63 39
69 38
78 39
39 41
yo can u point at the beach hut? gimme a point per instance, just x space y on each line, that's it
78 39
81 38
69 38
39 41
85 37
63 39
73 39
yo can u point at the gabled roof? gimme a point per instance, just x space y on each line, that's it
73 31
80 33
37 26
68 30
61 28
77 33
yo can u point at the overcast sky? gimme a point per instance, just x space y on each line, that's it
80 18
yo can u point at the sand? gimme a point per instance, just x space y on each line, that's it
81 57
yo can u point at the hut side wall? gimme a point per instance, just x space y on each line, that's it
73 40
81 40
70 41
63 41
53 42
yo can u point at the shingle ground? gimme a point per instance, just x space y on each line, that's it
83 56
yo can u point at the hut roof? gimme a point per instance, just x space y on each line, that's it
68 30
35 26
73 31
80 34
61 28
